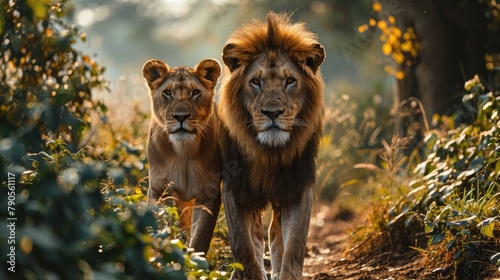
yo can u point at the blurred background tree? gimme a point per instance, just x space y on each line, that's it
437 46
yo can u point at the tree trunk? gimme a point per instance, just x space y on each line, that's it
452 36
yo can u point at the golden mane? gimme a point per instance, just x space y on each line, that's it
277 35
271 119
270 39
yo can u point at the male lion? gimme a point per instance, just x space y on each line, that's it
271 112
182 143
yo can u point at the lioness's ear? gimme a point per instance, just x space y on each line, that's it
229 56
315 57
209 69
153 70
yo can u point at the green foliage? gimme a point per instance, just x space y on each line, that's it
80 205
45 84
73 222
454 195
460 177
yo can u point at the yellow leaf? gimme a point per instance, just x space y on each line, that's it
372 22
377 7
26 245
392 20
393 40
398 57
238 266
382 25
325 141
400 75
39 8
362 28
49 32
396 31
406 46
386 48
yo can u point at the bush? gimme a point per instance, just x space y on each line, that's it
46 84
77 211
452 194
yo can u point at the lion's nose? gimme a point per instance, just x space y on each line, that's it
181 117
272 114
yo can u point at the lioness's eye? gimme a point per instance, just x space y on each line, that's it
255 81
196 92
290 81
167 93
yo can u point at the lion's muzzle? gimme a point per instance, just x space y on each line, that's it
181 123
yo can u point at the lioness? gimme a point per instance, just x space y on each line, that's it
271 113
182 143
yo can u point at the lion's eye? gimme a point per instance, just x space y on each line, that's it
255 82
167 93
290 81
196 92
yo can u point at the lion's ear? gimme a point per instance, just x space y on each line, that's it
153 70
209 69
315 57
230 57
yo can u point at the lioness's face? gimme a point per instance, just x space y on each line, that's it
275 98
182 97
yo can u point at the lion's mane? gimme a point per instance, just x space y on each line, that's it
277 175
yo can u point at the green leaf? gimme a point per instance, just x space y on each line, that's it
450 244
495 259
39 8
435 239
487 227
200 262
237 266
462 223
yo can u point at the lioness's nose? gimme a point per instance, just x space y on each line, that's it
181 116
272 114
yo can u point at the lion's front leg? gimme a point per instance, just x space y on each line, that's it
258 239
276 245
295 226
241 225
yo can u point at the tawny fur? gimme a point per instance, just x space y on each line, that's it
271 114
183 151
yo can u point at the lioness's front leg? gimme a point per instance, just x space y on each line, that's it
204 218
240 224
295 226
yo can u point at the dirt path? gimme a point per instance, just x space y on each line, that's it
327 259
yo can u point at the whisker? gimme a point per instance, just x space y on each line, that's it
249 123
204 129
299 122
157 132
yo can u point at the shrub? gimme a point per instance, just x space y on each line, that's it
46 85
79 211
452 194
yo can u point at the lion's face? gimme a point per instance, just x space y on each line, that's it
182 97
271 95
274 99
